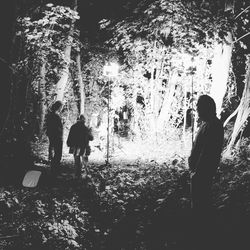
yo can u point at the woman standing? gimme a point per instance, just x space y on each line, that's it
78 141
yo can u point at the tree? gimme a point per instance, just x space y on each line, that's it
243 112
222 61
49 37
80 82
241 45
160 43
62 82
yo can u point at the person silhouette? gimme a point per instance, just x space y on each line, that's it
78 141
205 153
54 131
203 163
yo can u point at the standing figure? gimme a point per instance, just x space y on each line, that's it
54 131
78 141
205 154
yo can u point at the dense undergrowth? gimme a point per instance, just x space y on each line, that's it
123 206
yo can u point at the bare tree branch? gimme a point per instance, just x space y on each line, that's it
242 12
241 37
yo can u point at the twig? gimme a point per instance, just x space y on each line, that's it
231 116
6 237
242 12
241 37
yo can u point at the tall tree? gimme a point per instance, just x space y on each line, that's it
158 41
80 82
42 97
50 37
243 112
64 74
221 63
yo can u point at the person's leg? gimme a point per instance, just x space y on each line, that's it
51 149
201 206
55 164
52 155
195 192
201 192
85 164
77 165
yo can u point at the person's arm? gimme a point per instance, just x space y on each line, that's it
195 153
47 124
59 125
210 150
70 140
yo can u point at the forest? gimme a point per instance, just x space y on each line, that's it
135 69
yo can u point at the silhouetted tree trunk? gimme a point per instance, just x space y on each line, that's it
42 98
80 82
184 116
221 67
164 115
62 83
221 64
243 112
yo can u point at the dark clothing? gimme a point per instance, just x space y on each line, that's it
78 141
55 145
79 137
204 161
54 126
54 130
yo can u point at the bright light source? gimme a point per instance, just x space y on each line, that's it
111 69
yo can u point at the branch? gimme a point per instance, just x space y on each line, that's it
230 117
241 37
242 12
2 237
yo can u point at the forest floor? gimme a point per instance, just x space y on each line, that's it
127 204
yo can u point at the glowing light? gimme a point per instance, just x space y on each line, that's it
111 69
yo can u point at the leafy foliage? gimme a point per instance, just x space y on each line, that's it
46 36
117 202
120 203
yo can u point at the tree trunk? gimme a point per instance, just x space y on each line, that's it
184 117
220 73
151 114
243 112
80 82
230 117
166 105
42 97
62 83
221 64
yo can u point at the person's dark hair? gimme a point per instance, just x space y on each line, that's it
57 105
81 118
206 106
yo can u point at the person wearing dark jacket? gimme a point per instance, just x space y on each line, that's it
54 131
205 154
78 141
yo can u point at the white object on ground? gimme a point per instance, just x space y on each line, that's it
31 178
